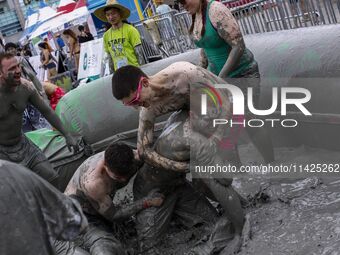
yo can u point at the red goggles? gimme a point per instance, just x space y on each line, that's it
135 100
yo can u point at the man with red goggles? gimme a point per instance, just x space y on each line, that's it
169 91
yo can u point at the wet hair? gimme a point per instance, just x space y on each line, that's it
204 13
43 45
5 55
119 158
81 28
10 45
125 80
69 32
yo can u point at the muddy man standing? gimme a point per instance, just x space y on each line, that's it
15 94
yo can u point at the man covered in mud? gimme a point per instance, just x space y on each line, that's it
168 91
94 185
15 94
32 118
33 212
182 204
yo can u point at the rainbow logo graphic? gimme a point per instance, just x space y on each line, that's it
213 94
229 142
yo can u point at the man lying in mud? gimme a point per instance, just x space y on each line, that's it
33 212
15 94
168 91
94 185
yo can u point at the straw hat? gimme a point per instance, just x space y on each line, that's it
100 12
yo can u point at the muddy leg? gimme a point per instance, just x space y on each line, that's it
101 241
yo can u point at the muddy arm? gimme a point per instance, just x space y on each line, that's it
228 29
145 142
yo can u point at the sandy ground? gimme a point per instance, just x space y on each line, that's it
288 216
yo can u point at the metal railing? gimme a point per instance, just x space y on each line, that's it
169 35
271 15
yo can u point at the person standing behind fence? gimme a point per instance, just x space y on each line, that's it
162 7
216 31
73 45
60 41
46 59
122 41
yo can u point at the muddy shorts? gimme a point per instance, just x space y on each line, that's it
27 154
182 203
98 239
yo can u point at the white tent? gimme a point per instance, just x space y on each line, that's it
31 20
57 22
46 13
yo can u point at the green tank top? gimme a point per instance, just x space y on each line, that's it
217 51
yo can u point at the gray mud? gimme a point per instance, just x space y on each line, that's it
288 216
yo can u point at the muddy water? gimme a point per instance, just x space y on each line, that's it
302 216
288 216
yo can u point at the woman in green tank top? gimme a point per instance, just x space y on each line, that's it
215 30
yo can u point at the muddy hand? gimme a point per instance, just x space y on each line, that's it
155 198
156 202
71 142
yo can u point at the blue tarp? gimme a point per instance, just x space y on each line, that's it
94 4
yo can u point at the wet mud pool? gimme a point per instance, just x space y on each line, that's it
287 215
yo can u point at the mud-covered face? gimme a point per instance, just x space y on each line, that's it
191 6
113 16
10 73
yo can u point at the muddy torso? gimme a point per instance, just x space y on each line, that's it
87 173
12 106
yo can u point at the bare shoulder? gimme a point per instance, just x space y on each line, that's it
85 170
219 11
225 23
95 189
181 69
27 85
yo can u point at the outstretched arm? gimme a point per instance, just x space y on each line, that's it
51 116
203 59
33 77
228 29
103 204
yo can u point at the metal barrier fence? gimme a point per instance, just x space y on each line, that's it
270 15
171 36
